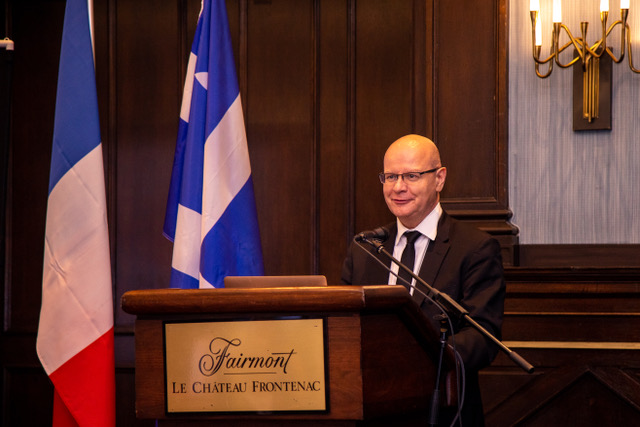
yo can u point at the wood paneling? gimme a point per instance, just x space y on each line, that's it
601 256
280 104
141 148
462 108
30 156
383 45
24 387
580 331
334 133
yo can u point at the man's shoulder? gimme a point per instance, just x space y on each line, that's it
465 239
459 229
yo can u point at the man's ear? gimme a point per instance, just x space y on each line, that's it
441 176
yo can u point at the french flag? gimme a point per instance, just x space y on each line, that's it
211 212
75 334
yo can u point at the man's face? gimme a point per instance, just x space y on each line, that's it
412 202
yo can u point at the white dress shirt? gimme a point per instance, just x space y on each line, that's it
429 229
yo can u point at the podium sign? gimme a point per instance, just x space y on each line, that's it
245 366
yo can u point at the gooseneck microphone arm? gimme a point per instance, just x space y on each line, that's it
448 304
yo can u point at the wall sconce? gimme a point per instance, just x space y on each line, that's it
592 74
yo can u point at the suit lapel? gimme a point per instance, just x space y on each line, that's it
388 246
436 252
375 273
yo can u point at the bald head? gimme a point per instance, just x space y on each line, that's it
416 147
412 200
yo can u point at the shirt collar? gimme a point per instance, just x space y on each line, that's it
428 226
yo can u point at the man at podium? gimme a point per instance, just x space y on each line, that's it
447 254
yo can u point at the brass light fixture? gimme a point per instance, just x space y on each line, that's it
592 105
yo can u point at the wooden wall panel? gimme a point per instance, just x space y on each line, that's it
146 99
30 156
383 79
280 122
26 387
334 133
463 109
579 328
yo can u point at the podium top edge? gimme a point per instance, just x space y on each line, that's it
264 300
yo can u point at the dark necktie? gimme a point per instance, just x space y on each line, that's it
408 257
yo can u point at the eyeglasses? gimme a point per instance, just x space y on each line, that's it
406 177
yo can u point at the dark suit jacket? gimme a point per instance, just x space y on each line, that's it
466 264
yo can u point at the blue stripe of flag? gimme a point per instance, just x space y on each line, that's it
223 84
244 255
77 126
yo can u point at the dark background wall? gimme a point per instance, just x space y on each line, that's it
326 86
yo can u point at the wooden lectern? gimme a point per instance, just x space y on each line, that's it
380 351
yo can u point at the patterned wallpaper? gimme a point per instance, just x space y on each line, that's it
569 187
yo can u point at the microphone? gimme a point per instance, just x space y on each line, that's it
380 233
